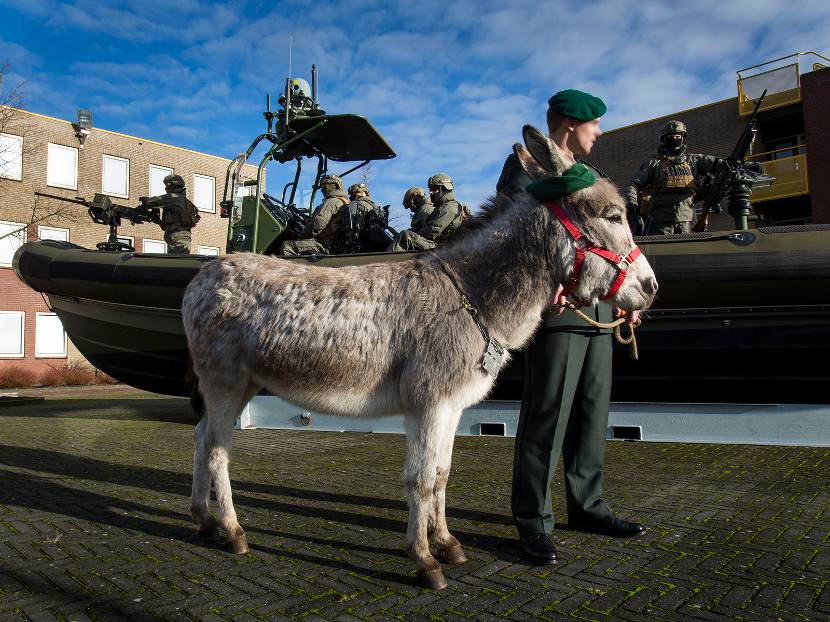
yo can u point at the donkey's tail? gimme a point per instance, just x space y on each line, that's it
197 402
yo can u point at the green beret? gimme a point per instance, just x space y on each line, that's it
577 105
575 178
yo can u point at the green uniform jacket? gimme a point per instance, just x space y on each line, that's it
422 213
675 206
444 219
512 180
323 225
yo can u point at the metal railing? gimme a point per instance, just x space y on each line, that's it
781 78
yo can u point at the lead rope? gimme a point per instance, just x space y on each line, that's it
630 340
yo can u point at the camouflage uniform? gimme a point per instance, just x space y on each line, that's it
416 201
670 179
446 216
353 219
319 234
178 215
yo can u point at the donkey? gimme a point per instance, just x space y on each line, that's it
395 338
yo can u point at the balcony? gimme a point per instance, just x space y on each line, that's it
781 78
789 167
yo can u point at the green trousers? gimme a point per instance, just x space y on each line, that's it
564 410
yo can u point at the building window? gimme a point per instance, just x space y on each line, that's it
155 246
204 193
127 240
208 250
11 156
157 175
12 237
53 233
50 338
62 166
11 334
116 177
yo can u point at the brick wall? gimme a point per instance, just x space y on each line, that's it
712 129
18 203
815 93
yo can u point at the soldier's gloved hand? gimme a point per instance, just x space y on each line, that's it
755 167
558 300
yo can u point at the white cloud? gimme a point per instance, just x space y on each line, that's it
448 84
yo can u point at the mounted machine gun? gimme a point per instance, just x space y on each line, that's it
104 212
733 177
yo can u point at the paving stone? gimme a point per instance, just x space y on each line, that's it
94 524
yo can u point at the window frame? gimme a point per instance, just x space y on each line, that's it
59 147
150 177
40 229
22 354
23 227
104 158
144 251
39 355
19 157
212 196
200 251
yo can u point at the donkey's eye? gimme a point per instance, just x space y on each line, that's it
616 219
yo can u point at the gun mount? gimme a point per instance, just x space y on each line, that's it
733 178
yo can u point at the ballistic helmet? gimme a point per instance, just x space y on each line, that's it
358 190
410 196
174 183
673 127
331 180
440 180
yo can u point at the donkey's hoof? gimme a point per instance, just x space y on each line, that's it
432 579
238 545
208 530
453 555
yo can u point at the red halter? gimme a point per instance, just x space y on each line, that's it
582 245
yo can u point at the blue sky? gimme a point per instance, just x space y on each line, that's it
449 84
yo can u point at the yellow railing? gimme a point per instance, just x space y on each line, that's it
790 175
781 78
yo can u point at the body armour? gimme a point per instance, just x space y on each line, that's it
176 210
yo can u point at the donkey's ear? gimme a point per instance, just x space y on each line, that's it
530 166
544 151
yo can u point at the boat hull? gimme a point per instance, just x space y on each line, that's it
741 316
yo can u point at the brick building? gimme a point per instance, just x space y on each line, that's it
40 153
793 139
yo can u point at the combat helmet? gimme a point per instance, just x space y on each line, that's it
410 196
327 181
358 189
670 144
674 127
174 183
440 180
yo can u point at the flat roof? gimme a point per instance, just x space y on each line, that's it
671 114
145 140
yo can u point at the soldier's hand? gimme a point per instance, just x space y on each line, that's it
633 318
558 300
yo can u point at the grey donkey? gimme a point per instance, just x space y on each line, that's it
394 338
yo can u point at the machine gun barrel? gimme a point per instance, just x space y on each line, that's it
727 173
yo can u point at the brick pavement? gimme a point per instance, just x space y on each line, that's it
94 526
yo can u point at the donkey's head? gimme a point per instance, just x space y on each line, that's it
612 267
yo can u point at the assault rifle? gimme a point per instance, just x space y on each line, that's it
733 177
104 212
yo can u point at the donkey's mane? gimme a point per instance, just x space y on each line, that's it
493 207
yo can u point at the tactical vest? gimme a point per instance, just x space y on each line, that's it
178 211
674 176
